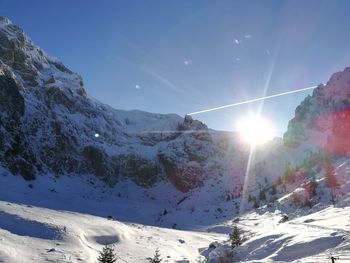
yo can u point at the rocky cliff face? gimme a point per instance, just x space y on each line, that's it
48 124
322 120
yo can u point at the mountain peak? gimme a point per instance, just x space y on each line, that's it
315 116
4 21
30 63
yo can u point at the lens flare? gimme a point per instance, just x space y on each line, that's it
255 130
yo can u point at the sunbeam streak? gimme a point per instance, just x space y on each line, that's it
252 100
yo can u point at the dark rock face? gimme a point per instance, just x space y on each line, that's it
13 55
95 160
13 146
11 99
184 176
142 171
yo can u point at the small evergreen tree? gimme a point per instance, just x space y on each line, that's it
288 174
262 196
156 258
107 255
314 185
330 179
250 198
235 238
273 190
255 204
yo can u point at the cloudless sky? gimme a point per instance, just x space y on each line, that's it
187 55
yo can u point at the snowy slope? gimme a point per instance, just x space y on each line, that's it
66 220
40 236
305 238
310 234
70 223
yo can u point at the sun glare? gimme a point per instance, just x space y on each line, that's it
255 130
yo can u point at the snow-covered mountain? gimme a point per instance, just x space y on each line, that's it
81 161
50 124
321 120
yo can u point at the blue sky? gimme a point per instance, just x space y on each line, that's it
183 56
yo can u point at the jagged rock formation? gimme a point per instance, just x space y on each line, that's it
322 119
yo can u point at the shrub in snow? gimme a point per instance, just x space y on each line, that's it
255 204
235 238
156 258
182 241
273 190
262 196
107 255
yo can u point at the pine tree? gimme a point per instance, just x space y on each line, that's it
273 190
255 204
156 258
330 179
107 255
288 174
262 195
250 198
235 238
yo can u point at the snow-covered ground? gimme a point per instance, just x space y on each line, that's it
66 220
310 238
37 234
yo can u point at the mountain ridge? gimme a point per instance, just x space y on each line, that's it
56 123
52 125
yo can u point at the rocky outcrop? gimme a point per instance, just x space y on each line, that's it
184 176
316 119
14 152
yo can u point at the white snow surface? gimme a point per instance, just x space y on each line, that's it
66 220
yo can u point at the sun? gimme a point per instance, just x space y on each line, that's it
255 130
